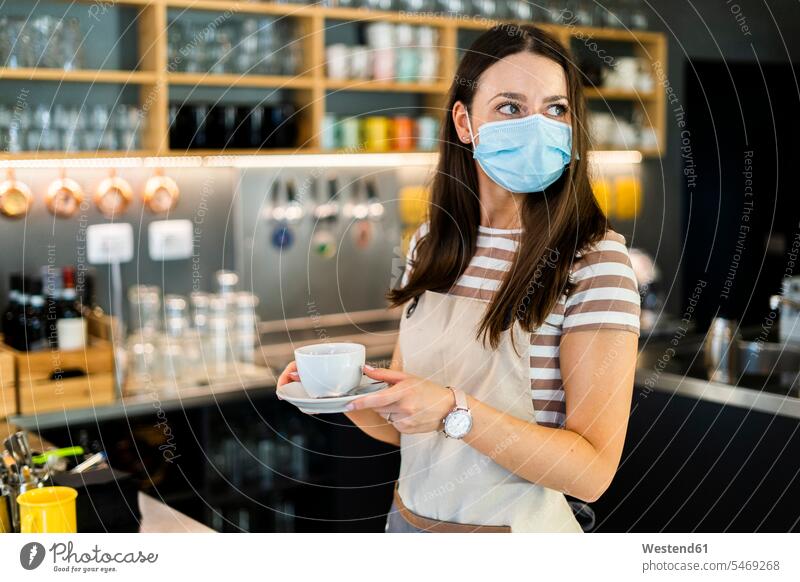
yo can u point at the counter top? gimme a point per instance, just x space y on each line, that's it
649 376
726 394
156 400
158 517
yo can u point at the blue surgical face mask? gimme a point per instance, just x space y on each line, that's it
523 155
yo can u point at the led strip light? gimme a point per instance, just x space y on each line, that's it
300 160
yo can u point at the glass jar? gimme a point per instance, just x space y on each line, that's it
246 329
145 309
143 364
217 349
200 311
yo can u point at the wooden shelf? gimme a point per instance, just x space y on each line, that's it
78 155
615 94
366 15
238 80
237 7
117 2
304 151
389 86
612 34
311 87
244 152
77 76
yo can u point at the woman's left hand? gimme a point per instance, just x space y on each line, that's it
411 404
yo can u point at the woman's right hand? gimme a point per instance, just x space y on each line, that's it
288 375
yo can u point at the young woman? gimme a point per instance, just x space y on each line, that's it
511 381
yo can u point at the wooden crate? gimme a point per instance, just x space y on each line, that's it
81 392
52 380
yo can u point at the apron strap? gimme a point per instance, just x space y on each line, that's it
437 526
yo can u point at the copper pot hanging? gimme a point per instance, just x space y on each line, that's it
161 193
64 196
113 196
15 197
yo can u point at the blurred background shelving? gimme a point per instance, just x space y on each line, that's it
170 55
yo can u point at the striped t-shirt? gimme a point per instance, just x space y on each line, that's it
605 295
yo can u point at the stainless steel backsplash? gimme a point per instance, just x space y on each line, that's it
224 205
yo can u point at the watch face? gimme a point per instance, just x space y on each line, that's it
458 423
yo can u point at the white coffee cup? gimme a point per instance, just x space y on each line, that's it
330 369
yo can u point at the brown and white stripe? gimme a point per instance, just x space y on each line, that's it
605 295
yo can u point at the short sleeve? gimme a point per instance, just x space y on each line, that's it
605 293
410 255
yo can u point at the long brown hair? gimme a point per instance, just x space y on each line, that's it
540 271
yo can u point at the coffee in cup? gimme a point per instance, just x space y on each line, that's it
330 369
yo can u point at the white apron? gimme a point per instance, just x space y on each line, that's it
446 479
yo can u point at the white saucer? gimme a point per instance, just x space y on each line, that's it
296 394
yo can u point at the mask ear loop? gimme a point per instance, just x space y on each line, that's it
469 126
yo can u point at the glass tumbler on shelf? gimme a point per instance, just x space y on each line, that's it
174 340
520 9
200 311
71 44
638 16
23 51
197 57
6 41
288 48
144 370
605 15
247 49
220 51
583 13
378 4
42 135
453 7
175 61
413 5
246 328
145 309
217 353
41 34
486 8
267 64
226 281
94 132
144 364
126 124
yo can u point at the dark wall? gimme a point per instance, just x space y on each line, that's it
701 30
741 218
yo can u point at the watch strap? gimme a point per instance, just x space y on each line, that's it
461 399
461 404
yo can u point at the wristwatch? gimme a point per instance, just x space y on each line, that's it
458 421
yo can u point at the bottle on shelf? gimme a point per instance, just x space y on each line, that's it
70 323
85 286
52 282
11 313
33 322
